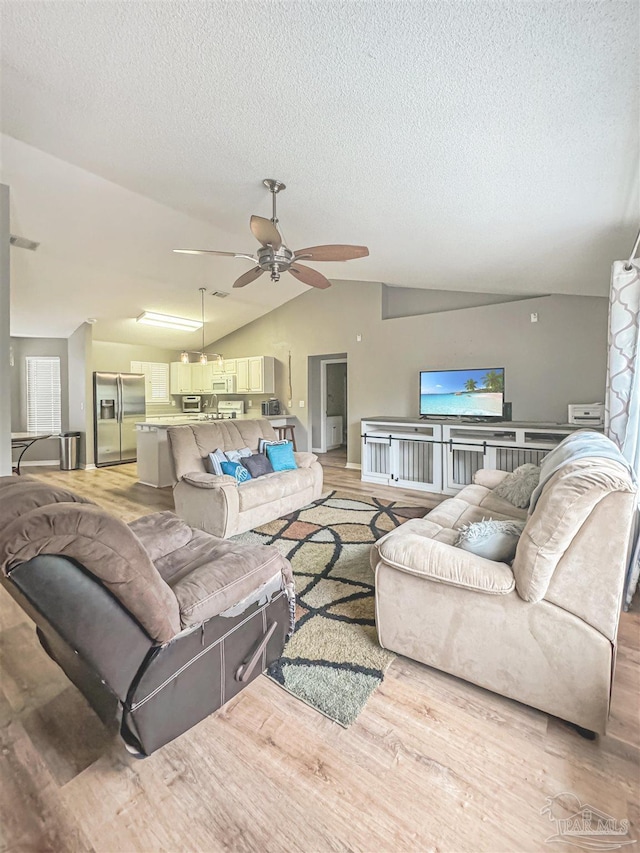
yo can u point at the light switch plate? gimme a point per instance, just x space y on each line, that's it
301 404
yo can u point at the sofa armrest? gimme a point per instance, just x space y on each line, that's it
489 477
202 480
304 459
442 563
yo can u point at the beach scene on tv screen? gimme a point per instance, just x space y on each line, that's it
477 393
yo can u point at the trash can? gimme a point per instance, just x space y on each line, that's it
69 451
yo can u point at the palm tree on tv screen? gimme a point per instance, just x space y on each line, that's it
493 381
470 385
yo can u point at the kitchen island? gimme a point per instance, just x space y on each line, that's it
154 459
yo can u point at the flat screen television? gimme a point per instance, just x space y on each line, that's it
475 393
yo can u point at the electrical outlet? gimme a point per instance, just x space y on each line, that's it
250 403
301 404
534 318
289 403
358 338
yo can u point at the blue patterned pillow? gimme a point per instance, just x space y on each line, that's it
235 469
281 456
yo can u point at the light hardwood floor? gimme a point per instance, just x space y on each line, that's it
432 763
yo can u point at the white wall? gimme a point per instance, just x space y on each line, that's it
558 360
5 344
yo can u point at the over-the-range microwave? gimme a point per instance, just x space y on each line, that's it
223 383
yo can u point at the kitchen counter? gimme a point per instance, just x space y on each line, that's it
154 460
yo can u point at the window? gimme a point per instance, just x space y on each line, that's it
156 376
43 394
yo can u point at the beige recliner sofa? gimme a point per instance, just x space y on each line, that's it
542 630
216 503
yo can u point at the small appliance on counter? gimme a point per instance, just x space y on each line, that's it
230 409
271 407
192 404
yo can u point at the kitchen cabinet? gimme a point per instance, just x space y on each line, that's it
242 375
191 378
255 375
229 366
180 378
334 431
202 377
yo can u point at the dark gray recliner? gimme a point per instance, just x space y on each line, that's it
157 624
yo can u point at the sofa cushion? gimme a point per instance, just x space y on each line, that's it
229 573
191 444
20 495
161 533
274 487
484 497
304 459
565 503
442 563
107 548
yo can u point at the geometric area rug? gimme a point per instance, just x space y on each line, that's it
333 661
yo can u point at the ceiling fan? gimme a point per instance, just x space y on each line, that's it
275 258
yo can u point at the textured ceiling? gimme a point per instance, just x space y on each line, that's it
489 146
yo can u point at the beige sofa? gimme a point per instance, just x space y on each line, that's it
542 631
216 503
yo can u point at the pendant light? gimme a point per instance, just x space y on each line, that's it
203 358
203 355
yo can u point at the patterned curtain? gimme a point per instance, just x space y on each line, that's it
622 406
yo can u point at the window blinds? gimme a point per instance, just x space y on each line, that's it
43 394
156 375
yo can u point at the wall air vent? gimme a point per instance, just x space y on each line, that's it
219 293
23 243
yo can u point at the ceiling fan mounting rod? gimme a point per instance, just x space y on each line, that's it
274 188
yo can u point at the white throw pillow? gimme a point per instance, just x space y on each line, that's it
494 540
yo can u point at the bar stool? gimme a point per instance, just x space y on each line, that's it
286 432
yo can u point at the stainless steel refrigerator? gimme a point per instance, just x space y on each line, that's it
118 405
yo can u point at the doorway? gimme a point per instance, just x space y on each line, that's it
328 402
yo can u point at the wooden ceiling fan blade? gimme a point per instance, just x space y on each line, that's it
332 253
265 232
204 252
248 277
309 276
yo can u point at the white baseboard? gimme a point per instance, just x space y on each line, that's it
32 463
356 466
88 466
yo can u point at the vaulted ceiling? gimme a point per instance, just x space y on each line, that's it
479 146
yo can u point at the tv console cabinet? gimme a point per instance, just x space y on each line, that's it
443 455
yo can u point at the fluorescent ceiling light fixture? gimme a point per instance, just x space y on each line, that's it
150 318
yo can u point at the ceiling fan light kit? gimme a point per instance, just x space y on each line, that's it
275 258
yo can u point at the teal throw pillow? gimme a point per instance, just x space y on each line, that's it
235 469
281 456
